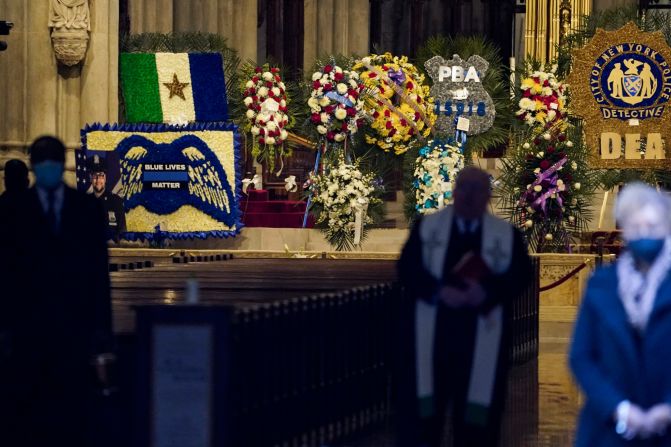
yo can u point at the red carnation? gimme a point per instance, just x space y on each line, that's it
381 89
387 113
275 70
388 125
330 135
526 94
353 93
262 140
376 114
255 79
258 69
255 98
344 126
562 137
411 132
316 85
328 87
351 111
403 122
329 109
385 68
417 116
392 132
278 79
372 74
545 164
339 76
269 84
409 85
537 141
271 94
328 69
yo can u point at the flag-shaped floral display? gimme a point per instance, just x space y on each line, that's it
175 88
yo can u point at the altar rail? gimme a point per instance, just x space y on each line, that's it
308 371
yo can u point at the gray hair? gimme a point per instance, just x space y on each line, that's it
636 196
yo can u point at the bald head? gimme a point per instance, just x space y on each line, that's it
471 193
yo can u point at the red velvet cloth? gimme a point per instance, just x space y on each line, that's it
258 211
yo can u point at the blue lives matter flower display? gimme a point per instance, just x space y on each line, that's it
435 174
176 182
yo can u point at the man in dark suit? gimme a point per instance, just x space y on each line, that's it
55 315
463 267
113 204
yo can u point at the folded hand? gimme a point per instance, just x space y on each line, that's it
658 419
472 296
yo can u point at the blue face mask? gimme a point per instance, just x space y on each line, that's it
48 174
645 249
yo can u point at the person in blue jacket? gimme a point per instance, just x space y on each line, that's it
621 349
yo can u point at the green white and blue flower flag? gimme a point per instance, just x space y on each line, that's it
173 87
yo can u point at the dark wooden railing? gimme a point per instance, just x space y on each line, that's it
307 371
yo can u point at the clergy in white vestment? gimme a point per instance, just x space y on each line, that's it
463 267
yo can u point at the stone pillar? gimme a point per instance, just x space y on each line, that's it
150 16
335 26
40 97
233 19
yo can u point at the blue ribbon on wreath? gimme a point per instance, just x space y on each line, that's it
309 204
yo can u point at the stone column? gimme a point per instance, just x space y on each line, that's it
335 26
150 16
40 97
233 19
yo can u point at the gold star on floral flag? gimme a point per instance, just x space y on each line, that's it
176 88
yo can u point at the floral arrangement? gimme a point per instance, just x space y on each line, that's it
435 175
265 98
335 102
183 206
543 100
547 187
173 88
343 199
398 105
266 102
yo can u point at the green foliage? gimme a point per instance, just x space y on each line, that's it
532 155
495 83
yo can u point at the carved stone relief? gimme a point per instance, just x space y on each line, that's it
70 23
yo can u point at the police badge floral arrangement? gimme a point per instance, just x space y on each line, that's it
178 182
344 202
436 171
335 103
399 104
621 86
542 98
546 186
266 100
